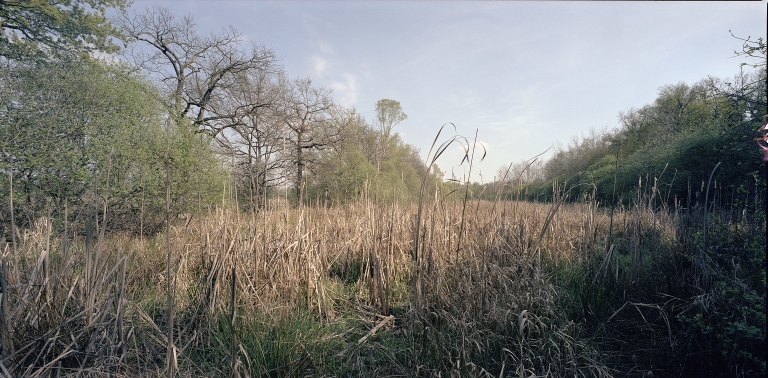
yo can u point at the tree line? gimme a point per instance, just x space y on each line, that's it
85 132
667 148
89 134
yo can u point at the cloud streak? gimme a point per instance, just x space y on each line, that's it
346 90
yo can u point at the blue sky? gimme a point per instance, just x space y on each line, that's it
526 75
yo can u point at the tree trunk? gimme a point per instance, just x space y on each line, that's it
251 183
299 177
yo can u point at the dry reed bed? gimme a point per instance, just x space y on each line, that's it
481 303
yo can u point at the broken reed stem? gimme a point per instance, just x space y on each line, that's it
88 253
233 320
64 255
120 309
47 253
6 344
10 203
613 202
706 205
702 263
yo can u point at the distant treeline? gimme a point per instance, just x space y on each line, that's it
666 149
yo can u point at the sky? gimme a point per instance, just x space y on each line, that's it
525 75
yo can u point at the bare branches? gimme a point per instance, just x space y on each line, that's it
242 99
305 114
194 69
750 48
212 84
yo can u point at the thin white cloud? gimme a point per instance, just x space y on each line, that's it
329 71
325 48
320 65
346 90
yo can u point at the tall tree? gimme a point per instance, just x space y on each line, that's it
305 111
255 137
192 68
344 171
388 114
353 166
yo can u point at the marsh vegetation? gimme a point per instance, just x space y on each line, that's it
191 210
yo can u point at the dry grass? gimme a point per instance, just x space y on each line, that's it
309 283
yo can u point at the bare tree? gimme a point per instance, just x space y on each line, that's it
306 116
250 106
192 68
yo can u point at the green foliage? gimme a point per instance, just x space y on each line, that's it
82 132
693 307
45 28
388 114
197 177
284 347
57 122
671 145
348 174
399 176
689 301
371 165
726 321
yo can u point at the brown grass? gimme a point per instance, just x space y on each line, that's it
488 309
